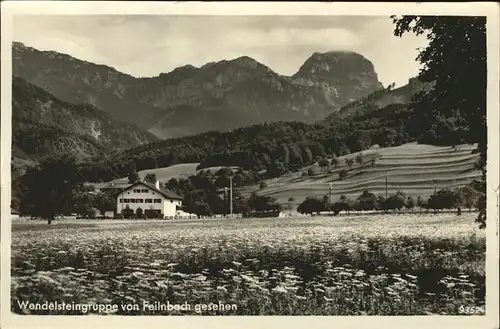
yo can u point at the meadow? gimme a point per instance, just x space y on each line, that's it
364 265
412 168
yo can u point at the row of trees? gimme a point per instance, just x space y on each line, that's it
465 196
56 187
450 61
435 116
326 163
207 193
276 148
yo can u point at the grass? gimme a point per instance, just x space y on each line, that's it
412 168
381 265
177 171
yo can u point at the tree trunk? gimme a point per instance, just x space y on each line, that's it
49 220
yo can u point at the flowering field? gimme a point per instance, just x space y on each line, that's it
376 265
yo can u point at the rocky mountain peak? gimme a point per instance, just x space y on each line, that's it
336 65
344 76
216 96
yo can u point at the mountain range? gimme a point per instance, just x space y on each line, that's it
218 96
42 124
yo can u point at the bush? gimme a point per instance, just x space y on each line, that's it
366 201
311 205
335 161
262 185
444 199
127 212
410 203
360 158
324 163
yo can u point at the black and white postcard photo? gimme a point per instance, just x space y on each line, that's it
270 165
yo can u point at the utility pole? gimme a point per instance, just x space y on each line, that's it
386 186
435 188
123 215
226 198
329 198
231 195
248 159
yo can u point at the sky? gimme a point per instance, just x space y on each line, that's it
145 46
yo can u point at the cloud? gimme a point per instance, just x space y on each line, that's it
144 45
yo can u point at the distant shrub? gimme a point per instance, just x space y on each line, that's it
311 205
360 158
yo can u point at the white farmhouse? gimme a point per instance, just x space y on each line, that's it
153 200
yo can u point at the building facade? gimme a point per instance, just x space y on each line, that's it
153 201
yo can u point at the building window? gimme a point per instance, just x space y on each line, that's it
144 191
149 200
140 200
121 200
171 201
157 200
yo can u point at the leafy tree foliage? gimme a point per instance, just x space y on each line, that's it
150 178
262 185
127 212
262 203
360 159
366 201
311 205
344 204
49 187
324 164
444 199
349 162
133 176
342 174
469 195
335 161
105 202
393 202
455 56
290 203
421 203
205 193
84 202
410 203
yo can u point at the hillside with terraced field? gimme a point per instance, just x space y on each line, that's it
415 169
412 168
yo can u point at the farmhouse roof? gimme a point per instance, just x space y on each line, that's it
166 193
